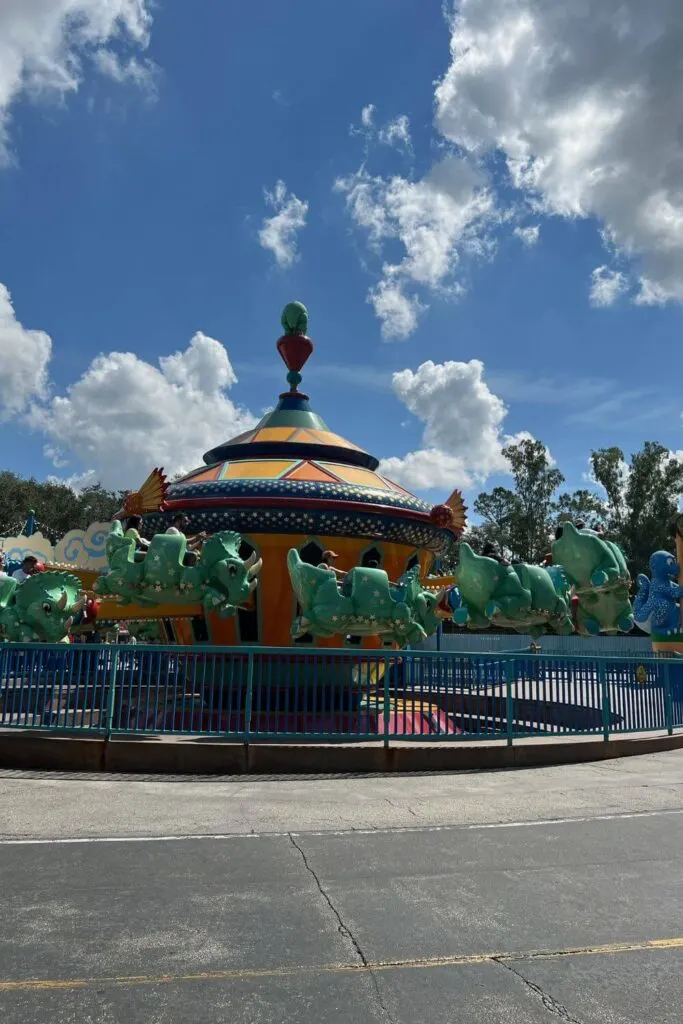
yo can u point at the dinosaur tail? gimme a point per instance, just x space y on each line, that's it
640 603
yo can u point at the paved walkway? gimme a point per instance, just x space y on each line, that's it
533 897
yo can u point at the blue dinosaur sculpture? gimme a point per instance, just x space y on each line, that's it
656 607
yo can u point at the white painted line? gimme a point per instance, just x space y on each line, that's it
390 830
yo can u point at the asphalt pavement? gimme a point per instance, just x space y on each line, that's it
533 897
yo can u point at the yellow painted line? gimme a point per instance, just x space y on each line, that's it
609 949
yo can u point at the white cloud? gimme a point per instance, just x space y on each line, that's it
125 415
398 312
462 437
426 470
24 359
606 286
367 115
142 73
278 233
55 455
528 235
45 46
78 481
438 220
396 132
584 102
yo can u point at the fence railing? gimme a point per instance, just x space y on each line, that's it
461 642
255 694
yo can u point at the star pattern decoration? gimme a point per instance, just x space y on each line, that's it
346 524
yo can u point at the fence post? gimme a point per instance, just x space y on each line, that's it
508 698
602 674
668 700
113 669
386 701
250 690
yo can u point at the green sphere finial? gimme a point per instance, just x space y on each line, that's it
294 318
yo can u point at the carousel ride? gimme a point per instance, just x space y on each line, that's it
270 507
293 540
302 540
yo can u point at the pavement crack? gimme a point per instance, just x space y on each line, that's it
551 1004
396 807
342 928
345 932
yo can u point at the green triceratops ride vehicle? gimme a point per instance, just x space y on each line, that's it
597 571
526 598
41 609
220 579
364 603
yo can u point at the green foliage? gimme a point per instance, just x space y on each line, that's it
641 498
476 536
635 508
519 521
582 506
610 471
57 508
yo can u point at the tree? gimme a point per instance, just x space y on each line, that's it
57 507
476 536
610 471
519 522
500 510
582 506
535 484
641 498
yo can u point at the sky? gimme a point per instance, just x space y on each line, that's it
480 205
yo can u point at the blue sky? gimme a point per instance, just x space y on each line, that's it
133 205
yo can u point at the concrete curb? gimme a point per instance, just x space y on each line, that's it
177 756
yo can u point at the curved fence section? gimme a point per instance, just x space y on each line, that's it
263 694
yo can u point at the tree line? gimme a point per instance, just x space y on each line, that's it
637 501
57 508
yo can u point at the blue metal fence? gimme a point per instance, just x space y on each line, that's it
510 643
254 694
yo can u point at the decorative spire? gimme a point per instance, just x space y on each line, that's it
294 346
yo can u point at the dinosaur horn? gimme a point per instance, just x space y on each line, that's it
253 584
255 569
81 602
61 603
253 558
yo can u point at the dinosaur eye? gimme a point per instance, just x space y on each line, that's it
232 570
47 607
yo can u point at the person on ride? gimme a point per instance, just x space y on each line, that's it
3 575
179 525
29 567
327 562
133 524
489 551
